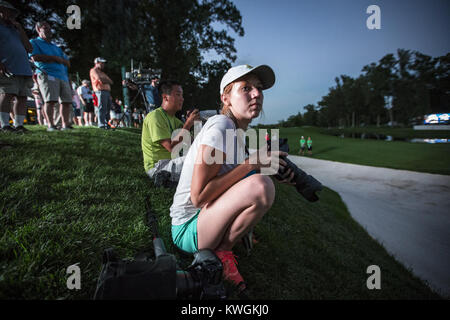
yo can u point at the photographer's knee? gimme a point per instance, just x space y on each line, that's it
263 191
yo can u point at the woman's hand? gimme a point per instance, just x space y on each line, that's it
288 176
263 159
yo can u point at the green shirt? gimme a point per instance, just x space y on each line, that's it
302 142
309 143
158 125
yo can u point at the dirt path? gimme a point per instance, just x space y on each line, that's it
407 212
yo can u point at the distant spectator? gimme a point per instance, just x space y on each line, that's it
115 113
15 70
302 145
76 105
309 144
101 84
151 93
127 116
52 76
85 94
135 118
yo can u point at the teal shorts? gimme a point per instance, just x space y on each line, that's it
184 236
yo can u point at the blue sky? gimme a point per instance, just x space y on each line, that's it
308 43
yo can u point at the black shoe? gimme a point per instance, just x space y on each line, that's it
22 129
8 129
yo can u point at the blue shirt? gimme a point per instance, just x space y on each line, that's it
57 70
12 52
152 95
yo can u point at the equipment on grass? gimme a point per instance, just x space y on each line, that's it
145 279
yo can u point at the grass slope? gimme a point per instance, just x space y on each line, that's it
66 196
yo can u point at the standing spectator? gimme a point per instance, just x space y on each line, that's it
52 76
15 70
152 94
95 102
302 145
85 94
76 104
309 144
141 116
116 113
101 84
135 118
127 116
267 138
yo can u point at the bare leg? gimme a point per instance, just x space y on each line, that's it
48 112
223 222
65 114
5 107
19 106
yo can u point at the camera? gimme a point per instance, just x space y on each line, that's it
305 184
161 278
141 75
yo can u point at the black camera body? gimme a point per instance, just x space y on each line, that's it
140 76
202 279
145 279
305 184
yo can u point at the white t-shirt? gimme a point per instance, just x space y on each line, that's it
214 133
85 93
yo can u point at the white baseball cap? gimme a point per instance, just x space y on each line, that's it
264 73
99 59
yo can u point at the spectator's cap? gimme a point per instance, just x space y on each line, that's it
99 59
85 81
264 73
7 5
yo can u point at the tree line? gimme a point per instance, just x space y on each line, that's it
167 35
397 89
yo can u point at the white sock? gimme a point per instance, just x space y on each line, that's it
18 120
4 119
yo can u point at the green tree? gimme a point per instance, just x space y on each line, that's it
168 35
310 117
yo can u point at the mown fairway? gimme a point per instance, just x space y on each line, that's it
423 157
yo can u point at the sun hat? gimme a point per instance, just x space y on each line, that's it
264 73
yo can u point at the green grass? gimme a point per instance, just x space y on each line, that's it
422 157
66 196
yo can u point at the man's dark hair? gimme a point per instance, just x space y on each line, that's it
166 86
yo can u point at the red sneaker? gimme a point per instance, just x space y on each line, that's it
230 271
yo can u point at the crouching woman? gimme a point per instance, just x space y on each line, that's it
218 198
